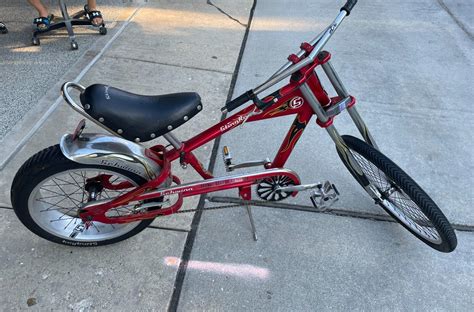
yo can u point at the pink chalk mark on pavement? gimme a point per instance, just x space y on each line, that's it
233 269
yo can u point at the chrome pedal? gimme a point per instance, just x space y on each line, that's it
227 157
324 196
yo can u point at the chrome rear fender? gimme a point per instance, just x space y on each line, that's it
111 151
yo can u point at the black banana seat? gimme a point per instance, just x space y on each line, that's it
139 118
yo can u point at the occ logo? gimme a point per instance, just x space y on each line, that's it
296 102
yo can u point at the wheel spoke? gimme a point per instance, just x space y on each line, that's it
63 219
53 204
68 223
398 202
48 197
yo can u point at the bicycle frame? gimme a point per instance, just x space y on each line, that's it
304 96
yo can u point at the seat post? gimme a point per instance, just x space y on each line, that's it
173 140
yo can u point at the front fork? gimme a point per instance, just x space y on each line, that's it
342 92
346 156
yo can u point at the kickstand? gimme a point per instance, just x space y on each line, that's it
245 193
254 231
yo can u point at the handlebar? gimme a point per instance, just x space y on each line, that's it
240 100
348 6
290 68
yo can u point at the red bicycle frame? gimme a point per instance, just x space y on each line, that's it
289 100
303 96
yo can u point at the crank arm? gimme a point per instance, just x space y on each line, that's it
299 188
253 163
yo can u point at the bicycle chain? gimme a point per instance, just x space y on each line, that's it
211 208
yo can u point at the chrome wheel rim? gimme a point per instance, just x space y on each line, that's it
54 202
398 202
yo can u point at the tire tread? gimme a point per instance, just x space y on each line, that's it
413 190
40 164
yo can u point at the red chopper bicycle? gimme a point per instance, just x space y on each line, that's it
95 189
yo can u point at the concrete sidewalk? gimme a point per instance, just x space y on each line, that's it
409 65
394 57
29 72
165 47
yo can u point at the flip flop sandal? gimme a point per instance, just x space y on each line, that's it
91 15
3 28
42 23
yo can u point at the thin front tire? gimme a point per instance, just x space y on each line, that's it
401 197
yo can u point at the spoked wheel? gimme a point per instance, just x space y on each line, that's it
402 197
49 189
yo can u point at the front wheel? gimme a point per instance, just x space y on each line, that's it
401 197
49 189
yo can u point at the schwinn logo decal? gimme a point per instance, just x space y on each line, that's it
107 96
233 123
171 192
201 187
296 102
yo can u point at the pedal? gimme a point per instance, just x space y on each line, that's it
229 166
324 196
227 157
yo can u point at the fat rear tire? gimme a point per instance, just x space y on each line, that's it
47 163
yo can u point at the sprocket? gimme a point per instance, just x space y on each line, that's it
267 188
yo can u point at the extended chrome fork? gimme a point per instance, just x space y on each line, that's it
342 92
323 117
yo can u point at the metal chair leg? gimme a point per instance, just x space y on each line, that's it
67 22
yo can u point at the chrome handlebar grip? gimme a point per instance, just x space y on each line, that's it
350 4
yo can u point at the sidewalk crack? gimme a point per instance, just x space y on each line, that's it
339 212
456 20
167 64
167 228
225 13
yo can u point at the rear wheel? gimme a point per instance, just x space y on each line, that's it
402 198
49 189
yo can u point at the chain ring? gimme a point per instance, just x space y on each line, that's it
266 189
